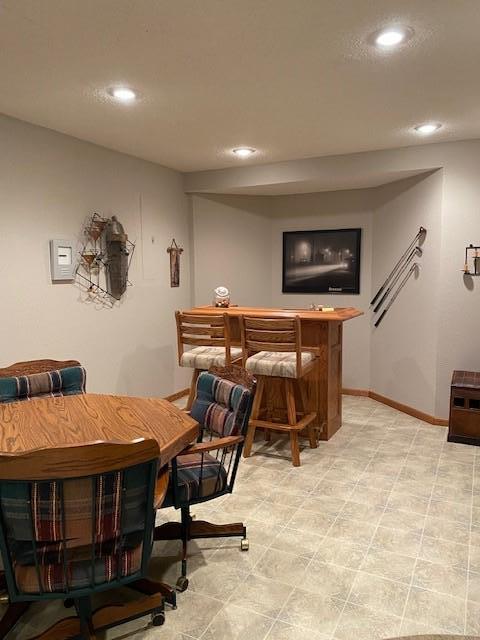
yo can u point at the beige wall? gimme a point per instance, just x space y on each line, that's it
330 210
49 184
404 346
232 247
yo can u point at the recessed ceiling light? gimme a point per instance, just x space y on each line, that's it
427 128
390 37
243 152
123 94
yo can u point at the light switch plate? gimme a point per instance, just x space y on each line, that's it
62 260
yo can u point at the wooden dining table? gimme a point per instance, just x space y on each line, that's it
45 423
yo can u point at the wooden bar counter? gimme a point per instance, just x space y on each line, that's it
322 335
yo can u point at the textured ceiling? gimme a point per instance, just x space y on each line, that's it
294 78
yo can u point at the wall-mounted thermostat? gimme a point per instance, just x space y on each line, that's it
62 260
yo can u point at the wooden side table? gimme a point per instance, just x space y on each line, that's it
464 424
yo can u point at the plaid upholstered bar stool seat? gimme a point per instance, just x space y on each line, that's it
207 470
203 343
272 350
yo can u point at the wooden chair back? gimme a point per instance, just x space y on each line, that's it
271 334
76 519
203 331
30 367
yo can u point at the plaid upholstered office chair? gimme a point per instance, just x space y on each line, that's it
206 470
75 521
41 378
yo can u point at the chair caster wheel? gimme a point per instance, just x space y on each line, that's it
68 603
244 544
182 584
158 619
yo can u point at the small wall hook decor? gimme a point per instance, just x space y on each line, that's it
175 252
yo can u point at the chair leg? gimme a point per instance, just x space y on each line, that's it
84 610
182 582
295 448
257 403
193 389
312 435
14 612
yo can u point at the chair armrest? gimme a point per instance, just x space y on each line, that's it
204 447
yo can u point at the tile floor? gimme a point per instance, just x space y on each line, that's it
376 535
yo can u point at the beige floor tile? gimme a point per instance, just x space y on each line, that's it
416 628
436 609
352 530
473 618
369 495
376 480
327 580
273 513
286 497
194 613
379 594
452 494
474 558
365 512
447 529
329 489
240 506
261 595
341 552
323 504
408 502
298 481
284 631
416 488
343 475
474 586
442 578
302 543
306 609
388 565
281 566
258 532
234 557
236 623
403 520
444 552
360 623
318 523
449 510
211 581
405 543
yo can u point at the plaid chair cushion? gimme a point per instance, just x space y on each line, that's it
78 571
281 364
220 405
63 382
196 479
103 518
206 357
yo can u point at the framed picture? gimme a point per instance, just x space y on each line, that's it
326 261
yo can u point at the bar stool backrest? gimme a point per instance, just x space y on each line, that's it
203 331
279 335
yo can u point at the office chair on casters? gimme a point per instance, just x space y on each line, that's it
75 521
206 470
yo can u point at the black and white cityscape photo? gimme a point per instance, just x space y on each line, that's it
326 261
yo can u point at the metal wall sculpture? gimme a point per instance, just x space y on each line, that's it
105 259
175 252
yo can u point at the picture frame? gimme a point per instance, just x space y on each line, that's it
322 261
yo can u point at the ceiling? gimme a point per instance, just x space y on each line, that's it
293 78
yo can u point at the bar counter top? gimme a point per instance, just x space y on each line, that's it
340 314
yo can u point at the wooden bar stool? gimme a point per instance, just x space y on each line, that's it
209 341
272 350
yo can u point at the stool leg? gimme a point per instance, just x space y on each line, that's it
312 436
257 402
295 448
193 389
292 420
